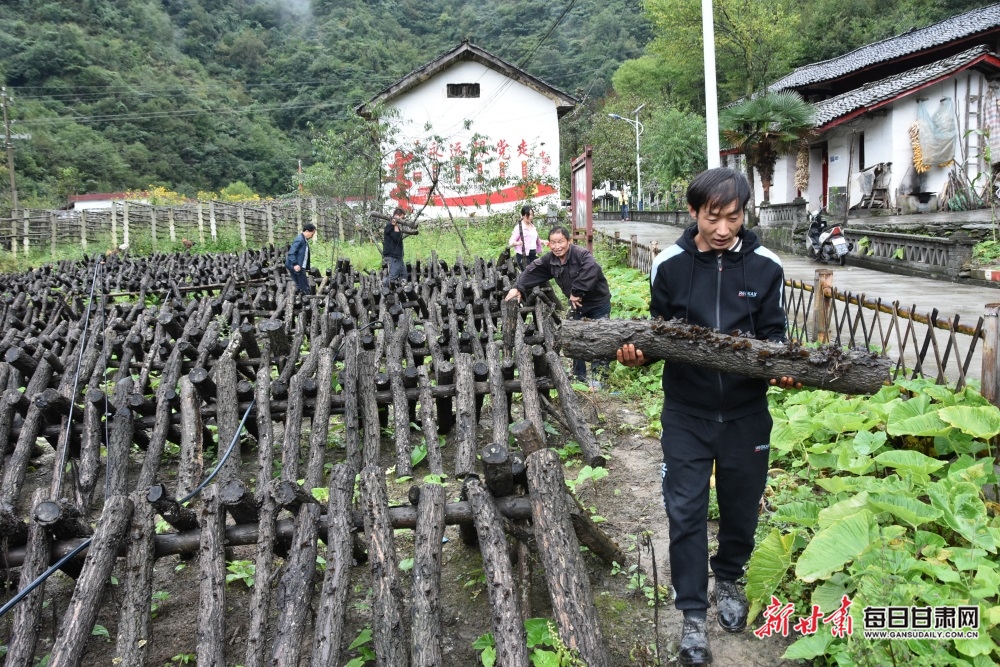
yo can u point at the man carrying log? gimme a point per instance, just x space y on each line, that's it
581 279
392 247
297 261
717 275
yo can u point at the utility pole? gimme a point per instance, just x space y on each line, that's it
10 151
711 93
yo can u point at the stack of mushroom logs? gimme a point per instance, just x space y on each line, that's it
173 350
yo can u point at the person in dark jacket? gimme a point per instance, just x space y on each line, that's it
298 260
717 275
581 279
392 248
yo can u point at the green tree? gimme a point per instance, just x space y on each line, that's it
764 128
675 146
753 40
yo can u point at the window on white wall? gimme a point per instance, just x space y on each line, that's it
463 90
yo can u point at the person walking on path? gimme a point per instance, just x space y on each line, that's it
623 200
392 247
717 275
525 240
298 258
581 279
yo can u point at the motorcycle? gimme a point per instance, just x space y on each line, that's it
826 245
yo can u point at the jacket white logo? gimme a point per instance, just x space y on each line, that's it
743 294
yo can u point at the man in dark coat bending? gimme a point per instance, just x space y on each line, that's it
580 278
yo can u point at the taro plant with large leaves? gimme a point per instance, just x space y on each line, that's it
880 499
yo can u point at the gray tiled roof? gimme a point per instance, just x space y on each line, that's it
957 27
872 94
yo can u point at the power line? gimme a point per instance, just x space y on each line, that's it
178 113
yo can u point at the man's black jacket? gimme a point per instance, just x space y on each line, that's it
739 290
580 276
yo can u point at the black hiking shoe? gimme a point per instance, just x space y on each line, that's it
694 643
731 605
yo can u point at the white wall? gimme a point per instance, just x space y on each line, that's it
509 114
887 139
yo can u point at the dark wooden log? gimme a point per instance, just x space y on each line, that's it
21 360
369 409
444 374
592 537
274 331
27 617
212 591
227 417
291 496
428 424
527 437
498 396
181 518
265 427
78 620
508 312
293 430
132 646
260 595
296 586
165 396
119 448
465 417
92 439
336 580
508 623
571 409
320 423
53 404
497 469
191 462
569 587
400 406
388 631
239 501
526 373
63 519
426 606
349 384
854 371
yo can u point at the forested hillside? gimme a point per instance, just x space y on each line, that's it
194 95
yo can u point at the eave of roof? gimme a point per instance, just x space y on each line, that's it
468 51
842 108
957 27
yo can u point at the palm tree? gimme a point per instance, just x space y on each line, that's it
765 127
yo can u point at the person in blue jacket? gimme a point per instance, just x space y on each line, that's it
717 275
298 259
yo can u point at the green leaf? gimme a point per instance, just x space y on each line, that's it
406 565
842 509
485 640
801 513
915 417
980 422
321 494
867 442
846 484
100 631
363 637
906 509
488 656
541 658
844 423
983 645
418 454
537 632
768 565
808 647
909 461
832 548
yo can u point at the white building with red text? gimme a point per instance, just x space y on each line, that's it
471 135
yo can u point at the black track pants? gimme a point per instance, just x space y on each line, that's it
740 450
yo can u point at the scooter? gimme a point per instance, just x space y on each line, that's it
826 245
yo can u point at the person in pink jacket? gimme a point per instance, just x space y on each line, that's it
525 238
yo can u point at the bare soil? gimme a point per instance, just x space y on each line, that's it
628 498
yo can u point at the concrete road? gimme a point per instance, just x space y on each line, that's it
949 298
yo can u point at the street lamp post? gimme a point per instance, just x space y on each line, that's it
638 131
